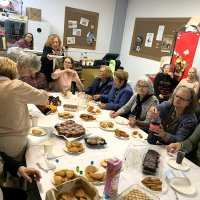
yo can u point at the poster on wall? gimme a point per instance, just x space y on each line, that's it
84 21
72 24
71 40
160 32
167 43
149 39
76 32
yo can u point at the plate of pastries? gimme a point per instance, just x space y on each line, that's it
87 117
154 183
93 110
138 135
74 147
95 141
121 134
70 107
95 175
107 125
69 130
63 176
38 131
65 115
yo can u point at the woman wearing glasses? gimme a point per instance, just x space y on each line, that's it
139 104
65 77
177 116
26 42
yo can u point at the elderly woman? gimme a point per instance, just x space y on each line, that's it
177 116
65 77
14 116
164 83
14 53
191 145
29 66
191 81
139 104
26 42
52 46
101 84
119 94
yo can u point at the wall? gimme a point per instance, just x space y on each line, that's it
155 8
53 11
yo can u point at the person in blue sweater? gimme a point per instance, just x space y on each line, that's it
101 84
119 94
7 163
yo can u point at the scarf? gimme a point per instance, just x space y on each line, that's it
138 108
191 80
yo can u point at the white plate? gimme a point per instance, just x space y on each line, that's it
66 150
44 131
93 103
172 162
70 138
137 137
121 120
55 56
164 185
183 185
122 138
108 129
94 113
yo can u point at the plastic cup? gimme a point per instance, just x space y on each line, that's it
48 147
34 121
180 156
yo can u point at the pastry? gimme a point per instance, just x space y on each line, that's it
60 173
79 192
57 180
90 169
36 132
96 175
69 173
66 196
104 163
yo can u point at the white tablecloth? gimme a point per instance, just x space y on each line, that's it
115 148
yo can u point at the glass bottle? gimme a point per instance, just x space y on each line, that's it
155 123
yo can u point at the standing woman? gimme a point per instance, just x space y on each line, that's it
14 115
65 77
139 104
164 84
26 42
52 46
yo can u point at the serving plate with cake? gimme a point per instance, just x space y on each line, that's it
70 130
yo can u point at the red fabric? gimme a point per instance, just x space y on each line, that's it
185 41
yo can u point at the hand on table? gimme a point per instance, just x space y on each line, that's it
96 97
25 172
113 114
174 147
101 105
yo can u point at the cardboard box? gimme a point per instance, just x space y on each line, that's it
71 186
195 21
33 14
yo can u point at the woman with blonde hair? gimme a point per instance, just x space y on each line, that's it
101 84
52 46
139 104
65 77
178 120
119 94
14 115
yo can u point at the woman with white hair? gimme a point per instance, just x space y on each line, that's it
29 66
139 104
191 81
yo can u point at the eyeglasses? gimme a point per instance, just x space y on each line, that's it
67 63
181 98
141 86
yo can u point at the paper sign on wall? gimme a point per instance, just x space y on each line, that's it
149 39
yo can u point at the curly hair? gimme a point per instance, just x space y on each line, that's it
49 41
107 71
8 68
121 75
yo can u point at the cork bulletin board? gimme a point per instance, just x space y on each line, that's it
80 28
154 37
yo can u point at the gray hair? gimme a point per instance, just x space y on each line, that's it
29 60
148 82
14 53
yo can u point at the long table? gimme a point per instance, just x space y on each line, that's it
132 169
